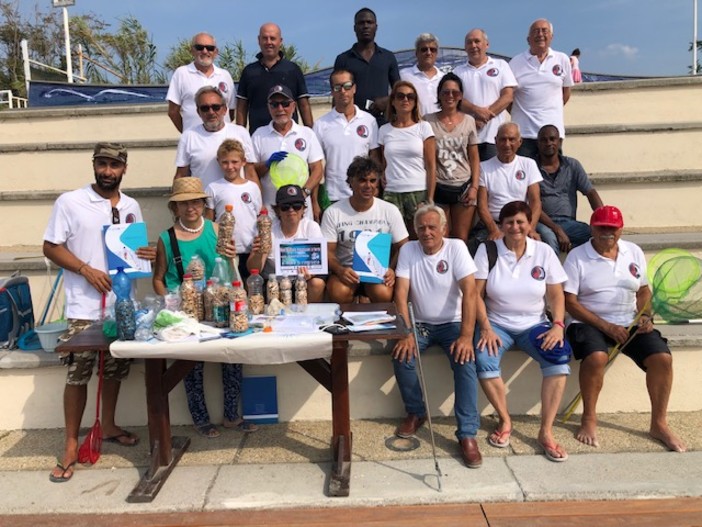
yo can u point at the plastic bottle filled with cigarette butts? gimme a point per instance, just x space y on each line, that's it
254 284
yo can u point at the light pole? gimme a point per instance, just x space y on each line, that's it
694 37
64 4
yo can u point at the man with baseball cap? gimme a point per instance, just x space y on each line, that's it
606 289
73 241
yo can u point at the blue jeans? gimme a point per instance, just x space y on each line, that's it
488 366
577 231
465 404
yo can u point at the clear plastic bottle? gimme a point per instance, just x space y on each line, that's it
254 284
286 294
172 300
301 290
208 299
190 298
196 268
221 271
272 288
238 308
220 305
227 222
264 224
124 306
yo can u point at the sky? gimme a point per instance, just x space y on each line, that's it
625 37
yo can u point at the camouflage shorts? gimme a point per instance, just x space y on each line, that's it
407 202
81 365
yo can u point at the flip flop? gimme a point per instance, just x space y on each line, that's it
551 452
241 425
123 439
209 430
62 478
495 439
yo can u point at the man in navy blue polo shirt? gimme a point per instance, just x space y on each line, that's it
374 68
270 69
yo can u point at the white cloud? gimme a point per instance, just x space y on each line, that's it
624 50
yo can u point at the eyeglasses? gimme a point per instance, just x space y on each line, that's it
401 96
204 108
451 93
286 207
200 47
430 49
276 104
345 86
115 216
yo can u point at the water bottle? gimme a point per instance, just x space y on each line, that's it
238 308
221 272
272 288
286 294
196 268
227 222
301 290
264 224
254 283
208 299
190 298
124 306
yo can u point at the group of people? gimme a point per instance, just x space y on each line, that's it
419 154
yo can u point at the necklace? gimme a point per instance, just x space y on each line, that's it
188 229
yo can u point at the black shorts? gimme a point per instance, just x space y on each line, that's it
585 340
449 195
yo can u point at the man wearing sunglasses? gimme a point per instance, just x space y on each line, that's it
187 80
270 69
344 133
424 75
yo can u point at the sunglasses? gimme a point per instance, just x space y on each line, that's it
401 96
204 108
288 206
200 47
276 104
429 49
345 86
115 216
452 93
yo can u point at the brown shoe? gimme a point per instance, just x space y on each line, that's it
471 452
410 425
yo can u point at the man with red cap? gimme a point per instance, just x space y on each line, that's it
606 289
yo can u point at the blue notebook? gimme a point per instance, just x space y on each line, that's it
259 396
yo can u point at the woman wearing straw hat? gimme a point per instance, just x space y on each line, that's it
196 235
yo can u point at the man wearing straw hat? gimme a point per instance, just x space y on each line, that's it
606 290
73 241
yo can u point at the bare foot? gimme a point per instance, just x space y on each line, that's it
587 433
668 438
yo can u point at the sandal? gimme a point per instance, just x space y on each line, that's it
239 424
124 438
207 430
62 478
500 439
552 451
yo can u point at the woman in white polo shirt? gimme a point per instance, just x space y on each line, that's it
511 301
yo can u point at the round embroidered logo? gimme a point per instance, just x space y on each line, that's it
300 144
557 70
442 267
538 273
131 218
492 72
634 270
292 191
520 175
223 87
362 130
246 197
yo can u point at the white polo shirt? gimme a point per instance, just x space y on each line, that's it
426 87
434 289
246 201
515 289
185 83
538 100
482 86
604 286
76 221
197 148
300 140
507 182
403 149
341 141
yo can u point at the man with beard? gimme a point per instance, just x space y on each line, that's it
188 79
374 68
197 149
73 241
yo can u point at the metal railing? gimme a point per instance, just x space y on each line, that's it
7 98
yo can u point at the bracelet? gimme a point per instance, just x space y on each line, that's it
559 323
80 268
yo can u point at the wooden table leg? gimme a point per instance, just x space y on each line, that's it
339 482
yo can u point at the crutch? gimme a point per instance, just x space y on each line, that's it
413 323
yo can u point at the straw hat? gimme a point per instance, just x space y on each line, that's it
187 188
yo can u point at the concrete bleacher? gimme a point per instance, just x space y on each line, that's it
639 140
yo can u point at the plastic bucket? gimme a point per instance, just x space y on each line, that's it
50 333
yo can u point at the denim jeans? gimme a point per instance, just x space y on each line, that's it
465 379
577 231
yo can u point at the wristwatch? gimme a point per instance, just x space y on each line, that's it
307 191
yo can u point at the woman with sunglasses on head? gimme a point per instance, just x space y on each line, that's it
195 235
408 151
289 208
457 158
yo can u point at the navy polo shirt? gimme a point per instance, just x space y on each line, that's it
257 80
559 191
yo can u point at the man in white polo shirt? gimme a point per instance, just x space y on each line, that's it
73 241
606 288
432 268
344 133
197 148
187 80
280 137
505 178
424 75
544 78
488 86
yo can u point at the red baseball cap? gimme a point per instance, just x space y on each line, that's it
607 216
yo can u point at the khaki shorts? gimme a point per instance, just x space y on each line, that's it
81 365
407 202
